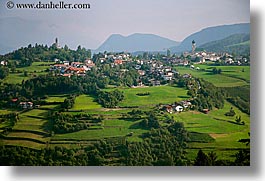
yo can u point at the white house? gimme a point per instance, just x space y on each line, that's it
179 108
3 62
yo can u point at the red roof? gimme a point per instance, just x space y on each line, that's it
14 100
118 61
75 69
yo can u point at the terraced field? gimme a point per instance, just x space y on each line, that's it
222 128
33 129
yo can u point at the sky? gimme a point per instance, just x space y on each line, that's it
173 19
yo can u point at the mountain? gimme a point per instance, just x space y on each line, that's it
136 42
237 43
211 34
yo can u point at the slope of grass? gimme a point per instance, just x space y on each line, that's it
228 78
159 94
85 102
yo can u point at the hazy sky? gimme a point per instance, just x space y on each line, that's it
173 19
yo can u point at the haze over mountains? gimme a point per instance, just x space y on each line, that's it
149 42
116 43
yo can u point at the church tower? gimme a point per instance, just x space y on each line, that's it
56 43
193 46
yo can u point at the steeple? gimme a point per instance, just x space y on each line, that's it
56 42
193 46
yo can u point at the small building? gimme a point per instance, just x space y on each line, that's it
169 109
26 105
118 62
179 108
205 111
141 72
4 63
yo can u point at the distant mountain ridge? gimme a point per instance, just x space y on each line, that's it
136 42
237 43
211 34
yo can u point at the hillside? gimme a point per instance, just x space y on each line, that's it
237 43
211 34
136 42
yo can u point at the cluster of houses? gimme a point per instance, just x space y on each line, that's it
23 104
68 69
156 73
177 107
116 58
203 56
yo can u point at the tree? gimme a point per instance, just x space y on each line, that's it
168 53
201 159
4 71
25 73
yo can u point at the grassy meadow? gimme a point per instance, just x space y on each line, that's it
231 76
157 95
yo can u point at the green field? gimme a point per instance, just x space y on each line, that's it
85 102
56 98
222 128
30 130
36 69
159 94
111 128
231 76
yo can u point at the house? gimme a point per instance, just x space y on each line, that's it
186 104
155 82
179 108
88 61
187 76
26 105
118 62
102 60
74 70
170 73
169 109
76 64
66 75
56 60
14 102
141 72
66 63
166 77
4 63
205 111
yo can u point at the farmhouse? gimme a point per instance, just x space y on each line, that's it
179 108
74 70
169 109
4 63
26 105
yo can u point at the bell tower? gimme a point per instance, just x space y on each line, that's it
193 46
